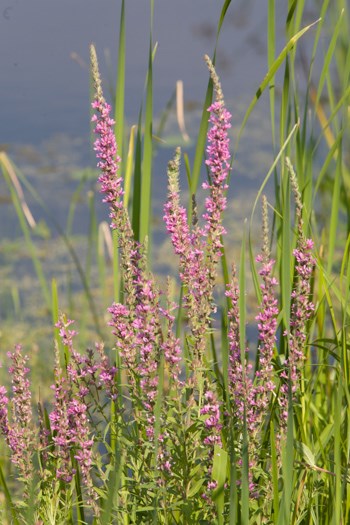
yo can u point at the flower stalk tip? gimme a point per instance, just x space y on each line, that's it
96 74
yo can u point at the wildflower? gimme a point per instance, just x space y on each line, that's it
107 374
240 384
199 249
79 434
105 146
302 306
60 425
211 409
267 321
18 433
68 419
243 394
4 422
218 162
137 323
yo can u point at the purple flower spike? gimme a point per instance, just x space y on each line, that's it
199 248
302 307
106 150
267 322
20 435
219 164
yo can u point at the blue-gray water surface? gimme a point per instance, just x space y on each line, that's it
45 112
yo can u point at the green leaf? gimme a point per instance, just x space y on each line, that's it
195 488
305 453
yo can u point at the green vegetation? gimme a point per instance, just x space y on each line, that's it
177 418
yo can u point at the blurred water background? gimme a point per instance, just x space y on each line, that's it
45 119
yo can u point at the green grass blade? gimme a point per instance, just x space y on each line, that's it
73 204
286 244
188 173
270 74
146 182
271 50
287 466
201 140
219 470
203 128
274 473
242 332
261 189
242 300
70 249
233 483
222 17
337 450
55 314
120 84
6 169
136 195
8 498
335 211
328 58
129 166
245 474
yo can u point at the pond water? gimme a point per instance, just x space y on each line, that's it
44 112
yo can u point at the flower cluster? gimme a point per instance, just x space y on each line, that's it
137 323
199 249
302 309
267 322
242 393
19 433
302 306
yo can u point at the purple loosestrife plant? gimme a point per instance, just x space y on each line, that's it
19 432
218 162
241 390
267 323
60 425
137 323
252 397
240 384
70 420
302 307
199 249
190 247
